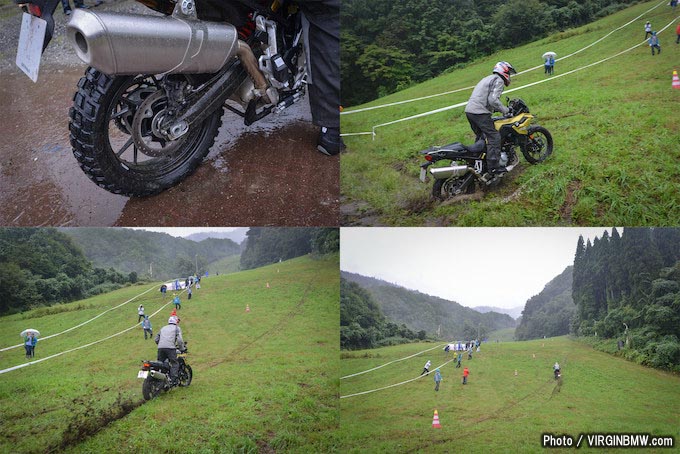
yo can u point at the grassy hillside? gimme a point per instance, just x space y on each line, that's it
498 411
614 124
263 381
502 335
226 265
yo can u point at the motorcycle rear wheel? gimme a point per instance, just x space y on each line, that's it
539 145
151 388
101 125
443 189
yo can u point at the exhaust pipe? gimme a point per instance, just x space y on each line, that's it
127 44
442 173
158 375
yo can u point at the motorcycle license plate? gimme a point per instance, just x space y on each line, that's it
142 374
31 40
423 174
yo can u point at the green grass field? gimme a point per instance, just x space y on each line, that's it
502 335
227 265
264 381
498 411
615 127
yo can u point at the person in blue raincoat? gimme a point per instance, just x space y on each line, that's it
177 302
654 43
146 326
437 379
29 344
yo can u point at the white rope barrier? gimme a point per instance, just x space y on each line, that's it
396 103
391 362
392 386
30 363
84 323
454 106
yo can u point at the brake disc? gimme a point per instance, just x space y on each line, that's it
146 132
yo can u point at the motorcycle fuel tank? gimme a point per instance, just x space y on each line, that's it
125 44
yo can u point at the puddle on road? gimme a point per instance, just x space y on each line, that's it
267 174
40 179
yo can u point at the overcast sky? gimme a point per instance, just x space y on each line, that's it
473 266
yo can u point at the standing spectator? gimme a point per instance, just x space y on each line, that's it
437 379
198 282
177 302
648 29
677 32
674 3
546 65
470 352
466 372
188 293
140 313
164 289
551 64
29 344
176 284
654 43
460 358
186 283
146 326
426 369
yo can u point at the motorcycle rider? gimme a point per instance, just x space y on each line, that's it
485 100
169 339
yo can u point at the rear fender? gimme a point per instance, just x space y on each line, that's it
43 9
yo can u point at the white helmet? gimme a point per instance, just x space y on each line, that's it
172 320
504 69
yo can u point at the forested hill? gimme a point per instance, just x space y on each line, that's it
419 311
628 287
129 250
387 46
266 245
550 312
237 235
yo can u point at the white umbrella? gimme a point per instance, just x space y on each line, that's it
30 330
549 54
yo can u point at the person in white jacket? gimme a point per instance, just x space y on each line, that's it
426 369
169 339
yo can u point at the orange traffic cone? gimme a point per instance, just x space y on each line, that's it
676 80
247 308
435 421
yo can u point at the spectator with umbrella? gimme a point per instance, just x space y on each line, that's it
549 58
30 340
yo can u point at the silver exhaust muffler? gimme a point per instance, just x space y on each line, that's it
443 173
126 44
158 375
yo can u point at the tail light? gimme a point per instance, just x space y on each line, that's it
428 157
146 366
34 10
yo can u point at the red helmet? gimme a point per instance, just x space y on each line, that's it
504 69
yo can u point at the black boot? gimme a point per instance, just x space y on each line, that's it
330 143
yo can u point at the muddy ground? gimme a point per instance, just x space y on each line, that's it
266 174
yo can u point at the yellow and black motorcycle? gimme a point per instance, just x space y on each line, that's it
467 166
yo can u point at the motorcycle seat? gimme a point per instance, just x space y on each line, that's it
458 147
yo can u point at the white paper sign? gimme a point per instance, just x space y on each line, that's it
31 41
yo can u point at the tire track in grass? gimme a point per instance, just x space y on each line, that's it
276 327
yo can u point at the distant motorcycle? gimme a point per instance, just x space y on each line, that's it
156 375
468 162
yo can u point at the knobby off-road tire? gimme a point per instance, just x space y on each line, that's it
151 388
101 121
539 145
186 376
439 191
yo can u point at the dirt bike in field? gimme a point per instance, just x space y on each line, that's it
156 375
468 166
151 102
